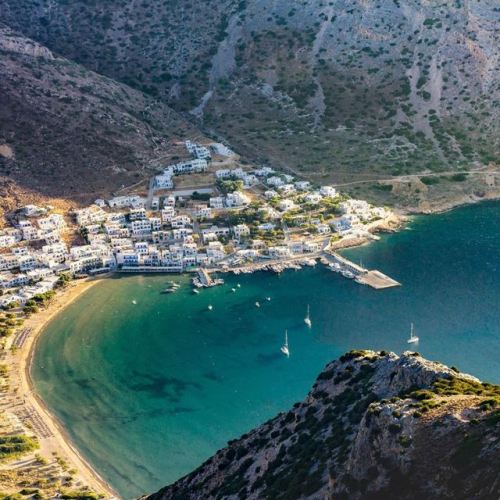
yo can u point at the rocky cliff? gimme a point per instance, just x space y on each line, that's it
375 425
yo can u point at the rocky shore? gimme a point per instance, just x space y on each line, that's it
374 425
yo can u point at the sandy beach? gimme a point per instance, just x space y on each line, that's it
23 402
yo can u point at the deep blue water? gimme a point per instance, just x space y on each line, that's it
148 391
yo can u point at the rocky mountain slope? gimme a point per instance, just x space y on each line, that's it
374 425
68 132
335 89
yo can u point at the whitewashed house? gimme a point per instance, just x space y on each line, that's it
328 191
241 230
216 202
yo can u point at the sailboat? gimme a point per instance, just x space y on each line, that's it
284 347
413 338
307 319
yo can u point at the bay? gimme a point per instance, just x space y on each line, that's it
150 385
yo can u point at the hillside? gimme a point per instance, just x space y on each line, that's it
374 425
354 91
68 132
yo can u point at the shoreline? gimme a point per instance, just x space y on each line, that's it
447 206
20 361
56 439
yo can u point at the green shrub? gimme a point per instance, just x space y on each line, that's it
15 446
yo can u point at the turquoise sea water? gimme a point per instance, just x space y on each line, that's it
149 390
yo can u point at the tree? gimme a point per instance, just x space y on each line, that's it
64 279
229 186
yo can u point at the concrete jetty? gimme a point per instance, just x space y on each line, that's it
373 278
204 277
204 280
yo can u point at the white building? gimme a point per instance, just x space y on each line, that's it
57 251
214 232
191 166
216 202
275 181
197 150
237 199
202 211
267 226
221 149
164 181
224 173
328 191
155 223
287 189
141 227
180 221
182 233
137 213
169 201
90 215
133 201
167 214
303 185
241 230
10 237
215 251
279 252
264 172
53 221
313 198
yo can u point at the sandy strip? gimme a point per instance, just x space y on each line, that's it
23 391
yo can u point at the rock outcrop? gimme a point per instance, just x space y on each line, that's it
375 425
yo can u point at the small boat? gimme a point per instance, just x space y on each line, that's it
210 307
233 289
307 319
413 338
257 304
238 285
134 301
284 348
268 299
196 291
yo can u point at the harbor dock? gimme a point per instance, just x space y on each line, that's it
204 280
373 278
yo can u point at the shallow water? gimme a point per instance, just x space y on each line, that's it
149 390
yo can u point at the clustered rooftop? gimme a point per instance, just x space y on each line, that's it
257 214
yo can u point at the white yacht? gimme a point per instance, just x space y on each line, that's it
210 307
307 319
284 348
413 338
257 304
